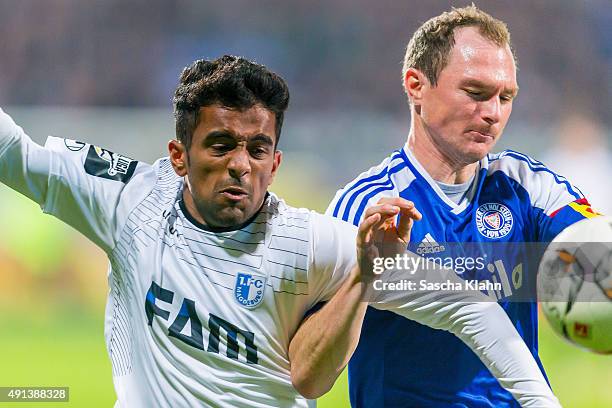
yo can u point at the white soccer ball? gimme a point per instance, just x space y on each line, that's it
575 284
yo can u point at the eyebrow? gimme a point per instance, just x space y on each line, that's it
217 134
223 134
261 137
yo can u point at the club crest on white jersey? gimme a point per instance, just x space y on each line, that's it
494 220
249 290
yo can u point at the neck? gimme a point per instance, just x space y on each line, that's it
440 165
193 214
190 206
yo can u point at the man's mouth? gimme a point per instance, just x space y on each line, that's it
481 136
234 193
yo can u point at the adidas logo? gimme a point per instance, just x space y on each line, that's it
429 246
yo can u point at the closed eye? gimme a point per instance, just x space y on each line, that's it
220 149
476 95
259 152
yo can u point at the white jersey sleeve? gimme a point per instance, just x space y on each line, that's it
333 255
482 325
89 188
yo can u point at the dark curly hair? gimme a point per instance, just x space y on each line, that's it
229 81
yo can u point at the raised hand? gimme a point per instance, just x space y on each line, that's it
380 235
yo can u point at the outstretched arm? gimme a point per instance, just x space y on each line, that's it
483 326
24 165
59 177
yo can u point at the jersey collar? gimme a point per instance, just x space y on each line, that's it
204 227
421 173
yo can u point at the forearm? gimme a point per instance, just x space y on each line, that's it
325 341
8 132
483 326
486 329
24 165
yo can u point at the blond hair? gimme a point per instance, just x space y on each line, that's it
430 46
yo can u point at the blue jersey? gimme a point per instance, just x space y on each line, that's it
401 363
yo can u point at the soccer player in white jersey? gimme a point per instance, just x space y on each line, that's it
211 276
460 78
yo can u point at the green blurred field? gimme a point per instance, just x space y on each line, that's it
63 351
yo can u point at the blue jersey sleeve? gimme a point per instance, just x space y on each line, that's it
549 226
555 203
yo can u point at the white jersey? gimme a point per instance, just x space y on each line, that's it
196 318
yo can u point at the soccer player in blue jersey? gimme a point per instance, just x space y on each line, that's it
459 75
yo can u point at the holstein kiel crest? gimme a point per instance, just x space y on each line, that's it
249 290
494 220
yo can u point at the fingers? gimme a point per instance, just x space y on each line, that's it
382 217
409 214
402 203
406 220
364 233
404 228
385 210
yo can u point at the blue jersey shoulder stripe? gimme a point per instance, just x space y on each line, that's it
540 164
366 199
539 167
387 182
524 156
368 179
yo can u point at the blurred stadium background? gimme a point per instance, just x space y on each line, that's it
104 72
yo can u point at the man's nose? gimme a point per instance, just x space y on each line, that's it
239 165
490 110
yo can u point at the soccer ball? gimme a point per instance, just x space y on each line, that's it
575 284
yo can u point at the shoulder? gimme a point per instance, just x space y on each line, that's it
306 223
544 186
386 179
165 174
97 161
280 213
128 180
513 162
528 171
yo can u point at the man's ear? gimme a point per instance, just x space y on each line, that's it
178 157
278 158
414 82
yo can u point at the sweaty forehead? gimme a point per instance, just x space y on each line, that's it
241 122
476 56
